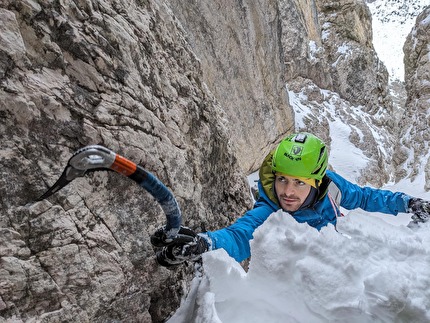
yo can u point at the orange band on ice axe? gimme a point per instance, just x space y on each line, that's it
123 166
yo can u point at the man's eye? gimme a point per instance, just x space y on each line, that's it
300 183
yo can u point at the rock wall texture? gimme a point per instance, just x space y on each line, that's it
120 74
413 152
239 44
195 91
331 62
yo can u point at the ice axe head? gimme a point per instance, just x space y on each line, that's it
84 160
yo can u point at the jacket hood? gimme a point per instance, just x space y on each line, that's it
267 178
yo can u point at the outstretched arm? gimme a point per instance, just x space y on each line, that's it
369 199
377 200
235 238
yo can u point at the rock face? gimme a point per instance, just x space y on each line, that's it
195 92
240 48
415 135
331 62
120 74
357 73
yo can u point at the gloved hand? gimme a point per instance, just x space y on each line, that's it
179 252
160 237
420 209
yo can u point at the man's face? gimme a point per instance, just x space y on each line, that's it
291 192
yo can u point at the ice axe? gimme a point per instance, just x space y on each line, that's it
98 158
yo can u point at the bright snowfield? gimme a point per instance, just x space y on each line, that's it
374 269
392 20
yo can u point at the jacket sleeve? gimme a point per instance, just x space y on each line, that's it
235 238
369 199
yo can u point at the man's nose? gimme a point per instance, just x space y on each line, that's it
288 189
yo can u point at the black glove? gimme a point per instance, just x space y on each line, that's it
420 208
179 252
160 239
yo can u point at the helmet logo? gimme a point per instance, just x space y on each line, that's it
295 154
297 150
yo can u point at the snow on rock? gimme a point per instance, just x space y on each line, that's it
358 146
392 21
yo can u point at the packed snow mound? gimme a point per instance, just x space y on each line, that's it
367 271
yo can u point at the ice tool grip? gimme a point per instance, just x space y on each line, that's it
95 157
166 200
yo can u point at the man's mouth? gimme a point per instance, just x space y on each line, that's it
290 200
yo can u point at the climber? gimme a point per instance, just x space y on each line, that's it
294 177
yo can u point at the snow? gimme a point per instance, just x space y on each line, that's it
392 21
349 164
373 268
313 50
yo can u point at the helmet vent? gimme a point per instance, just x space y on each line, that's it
322 151
319 170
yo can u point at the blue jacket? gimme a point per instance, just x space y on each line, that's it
235 238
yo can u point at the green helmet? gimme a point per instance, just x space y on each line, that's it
302 155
